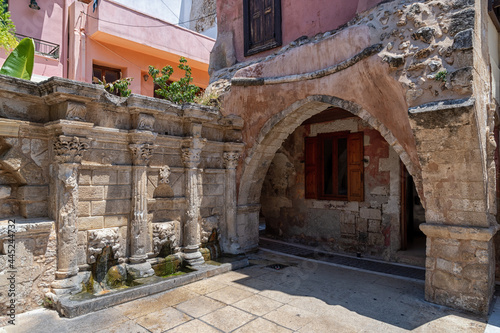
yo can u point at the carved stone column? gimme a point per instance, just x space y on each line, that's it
230 242
191 159
68 155
139 241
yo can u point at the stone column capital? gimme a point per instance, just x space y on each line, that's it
141 153
191 157
191 152
69 149
231 159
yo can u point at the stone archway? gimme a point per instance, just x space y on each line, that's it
270 139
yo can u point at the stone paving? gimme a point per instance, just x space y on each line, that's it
305 296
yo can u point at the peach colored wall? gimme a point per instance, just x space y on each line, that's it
46 24
93 41
160 34
134 64
299 18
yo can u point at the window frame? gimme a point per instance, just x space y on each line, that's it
322 137
315 165
104 69
277 41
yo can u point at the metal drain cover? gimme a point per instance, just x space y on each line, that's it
277 266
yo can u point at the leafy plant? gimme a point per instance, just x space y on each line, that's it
441 76
20 62
118 87
7 29
181 91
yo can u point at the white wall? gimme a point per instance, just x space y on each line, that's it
173 11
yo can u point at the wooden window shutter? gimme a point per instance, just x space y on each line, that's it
355 167
262 25
311 167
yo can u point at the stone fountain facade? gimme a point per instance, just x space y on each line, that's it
82 169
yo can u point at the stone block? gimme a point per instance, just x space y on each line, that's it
81 255
91 192
124 177
93 222
448 252
104 177
138 271
476 272
82 237
369 213
117 192
213 189
84 208
111 207
116 221
85 177
376 239
213 178
34 209
374 226
212 200
5 191
33 193
450 282
448 266
347 228
352 206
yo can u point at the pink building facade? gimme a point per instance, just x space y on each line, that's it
72 41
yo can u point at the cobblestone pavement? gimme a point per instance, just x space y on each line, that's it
276 293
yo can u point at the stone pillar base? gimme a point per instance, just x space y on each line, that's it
141 270
193 256
138 259
71 285
460 266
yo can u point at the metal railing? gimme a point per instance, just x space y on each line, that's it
43 47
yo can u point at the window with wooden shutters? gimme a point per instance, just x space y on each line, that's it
334 166
262 25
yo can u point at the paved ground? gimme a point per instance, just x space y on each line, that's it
303 297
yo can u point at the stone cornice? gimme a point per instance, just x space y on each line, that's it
458 232
367 52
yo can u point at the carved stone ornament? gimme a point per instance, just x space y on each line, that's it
166 232
69 150
98 239
191 157
76 111
141 153
145 122
231 159
208 224
164 175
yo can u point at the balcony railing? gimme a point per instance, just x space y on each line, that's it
42 47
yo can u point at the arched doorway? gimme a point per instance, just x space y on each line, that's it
275 143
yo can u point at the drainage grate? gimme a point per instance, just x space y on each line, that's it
277 266
416 273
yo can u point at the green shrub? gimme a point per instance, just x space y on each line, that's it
118 87
179 92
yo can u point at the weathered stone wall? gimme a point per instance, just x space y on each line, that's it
203 15
419 73
34 260
140 175
370 227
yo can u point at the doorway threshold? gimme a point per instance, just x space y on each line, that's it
371 265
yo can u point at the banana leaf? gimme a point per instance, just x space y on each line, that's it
20 62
